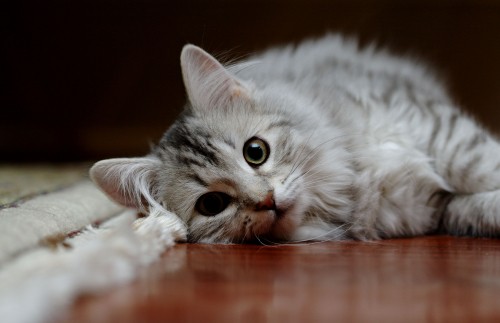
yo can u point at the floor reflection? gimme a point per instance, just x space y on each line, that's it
419 279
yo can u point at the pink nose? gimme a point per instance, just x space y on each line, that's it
267 203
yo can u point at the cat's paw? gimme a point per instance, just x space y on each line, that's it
167 226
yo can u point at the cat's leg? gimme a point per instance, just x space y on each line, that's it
475 214
465 155
468 158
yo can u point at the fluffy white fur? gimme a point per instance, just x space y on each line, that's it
41 284
363 144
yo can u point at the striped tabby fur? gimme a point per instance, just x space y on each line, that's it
361 144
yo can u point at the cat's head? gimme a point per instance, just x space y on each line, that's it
243 162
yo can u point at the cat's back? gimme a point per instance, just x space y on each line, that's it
333 64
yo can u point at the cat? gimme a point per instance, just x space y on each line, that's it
324 140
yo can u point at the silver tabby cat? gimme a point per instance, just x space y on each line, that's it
320 141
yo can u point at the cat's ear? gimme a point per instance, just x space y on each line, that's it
208 84
128 181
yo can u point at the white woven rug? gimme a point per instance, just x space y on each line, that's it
47 260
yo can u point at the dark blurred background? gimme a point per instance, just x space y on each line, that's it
90 79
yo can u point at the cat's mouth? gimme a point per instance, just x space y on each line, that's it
274 219
277 227
284 207
280 213
278 210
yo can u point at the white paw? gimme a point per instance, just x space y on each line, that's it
167 226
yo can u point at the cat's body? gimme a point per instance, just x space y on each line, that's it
317 142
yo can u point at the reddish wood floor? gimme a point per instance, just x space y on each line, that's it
430 279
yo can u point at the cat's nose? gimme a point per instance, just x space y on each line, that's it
267 203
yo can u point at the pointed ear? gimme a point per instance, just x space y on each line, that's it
128 181
208 84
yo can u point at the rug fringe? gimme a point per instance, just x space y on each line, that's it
40 284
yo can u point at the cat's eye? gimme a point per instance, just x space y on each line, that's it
255 151
212 203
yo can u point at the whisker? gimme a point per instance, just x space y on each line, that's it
262 242
316 238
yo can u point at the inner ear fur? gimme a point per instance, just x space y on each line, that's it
208 84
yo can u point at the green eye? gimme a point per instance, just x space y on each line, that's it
212 203
255 151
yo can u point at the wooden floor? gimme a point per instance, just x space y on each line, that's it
428 279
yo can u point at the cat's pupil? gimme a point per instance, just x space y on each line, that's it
212 203
255 151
